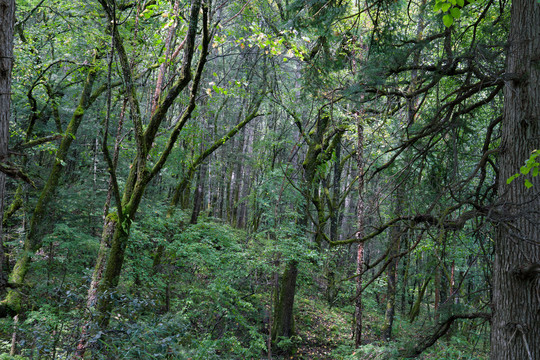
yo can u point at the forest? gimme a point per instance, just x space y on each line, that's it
270 179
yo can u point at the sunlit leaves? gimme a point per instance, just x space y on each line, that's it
532 166
451 8
448 20
455 12
149 11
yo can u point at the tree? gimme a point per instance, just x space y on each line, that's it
242 129
360 215
34 237
116 230
515 332
7 18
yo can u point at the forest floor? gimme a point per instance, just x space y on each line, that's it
324 333
322 329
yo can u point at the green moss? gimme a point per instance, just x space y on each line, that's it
15 205
79 111
112 216
13 302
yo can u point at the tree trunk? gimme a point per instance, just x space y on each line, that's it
360 221
415 309
283 322
198 195
238 178
163 66
140 175
392 271
247 178
405 273
7 17
515 328
437 290
336 194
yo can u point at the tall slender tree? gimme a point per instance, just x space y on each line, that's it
7 18
360 232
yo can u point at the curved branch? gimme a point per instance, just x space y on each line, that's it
440 331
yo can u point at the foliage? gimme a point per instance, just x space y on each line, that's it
214 230
531 166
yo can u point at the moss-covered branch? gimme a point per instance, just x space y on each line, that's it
34 236
37 142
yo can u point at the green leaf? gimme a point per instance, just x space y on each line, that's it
528 184
445 6
524 170
461 3
448 20
535 171
456 13
511 178
438 5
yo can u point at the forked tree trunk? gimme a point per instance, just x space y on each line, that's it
117 227
515 328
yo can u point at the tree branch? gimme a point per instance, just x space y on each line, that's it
440 331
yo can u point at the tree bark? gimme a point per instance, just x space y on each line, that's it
437 289
336 194
283 322
515 330
360 221
198 195
392 270
163 66
7 17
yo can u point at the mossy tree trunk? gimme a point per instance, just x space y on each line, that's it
336 195
283 322
437 289
34 236
116 230
415 309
